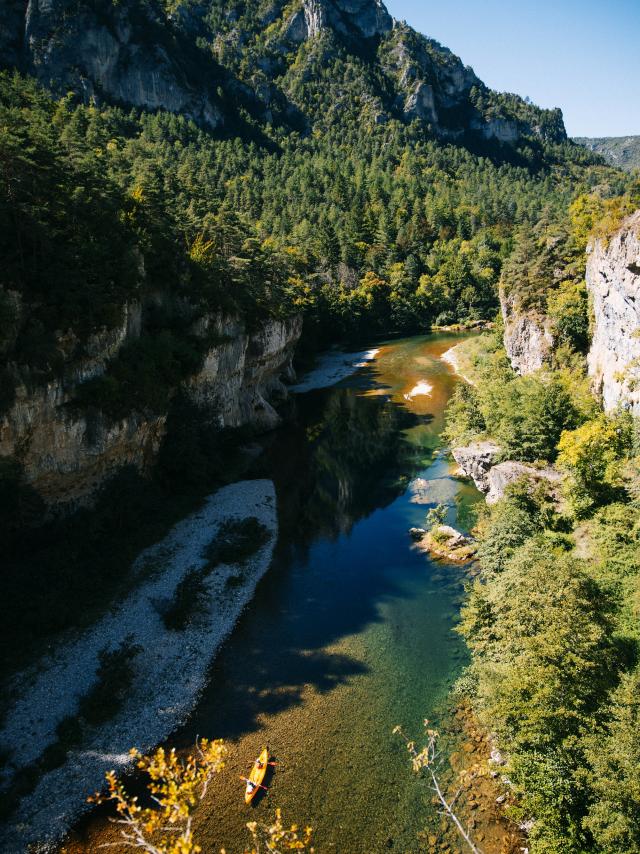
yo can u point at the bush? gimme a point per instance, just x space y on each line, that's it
236 541
114 677
593 457
189 600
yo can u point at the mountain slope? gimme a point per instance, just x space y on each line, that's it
217 62
622 151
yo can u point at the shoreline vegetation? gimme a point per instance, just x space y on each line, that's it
554 655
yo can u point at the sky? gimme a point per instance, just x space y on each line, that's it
580 55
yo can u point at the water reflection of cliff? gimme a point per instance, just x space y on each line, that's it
342 455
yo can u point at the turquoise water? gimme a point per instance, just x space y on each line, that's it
351 631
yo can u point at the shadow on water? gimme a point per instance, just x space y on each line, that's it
341 457
350 632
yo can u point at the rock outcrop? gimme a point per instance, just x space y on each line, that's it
479 461
67 452
527 336
445 543
364 18
613 282
500 476
122 52
476 461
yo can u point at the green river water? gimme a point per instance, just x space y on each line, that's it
352 629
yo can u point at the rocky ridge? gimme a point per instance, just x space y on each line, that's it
189 59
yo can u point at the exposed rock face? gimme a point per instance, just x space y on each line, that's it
613 282
476 461
502 475
502 130
119 51
348 17
527 337
67 453
156 55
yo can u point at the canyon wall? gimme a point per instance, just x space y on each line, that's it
68 451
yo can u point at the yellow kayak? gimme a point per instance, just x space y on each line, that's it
256 776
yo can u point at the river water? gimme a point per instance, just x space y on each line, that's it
351 630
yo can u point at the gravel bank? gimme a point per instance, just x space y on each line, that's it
171 669
334 366
451 358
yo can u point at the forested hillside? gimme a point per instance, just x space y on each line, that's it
622 151
552 621
178 177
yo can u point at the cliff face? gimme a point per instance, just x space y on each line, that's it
613 282
204 60
67 453
527 338
123 52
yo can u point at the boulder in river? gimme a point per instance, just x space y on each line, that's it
444 542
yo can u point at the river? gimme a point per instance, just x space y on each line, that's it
351 631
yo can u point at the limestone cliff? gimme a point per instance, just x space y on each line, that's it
67 451
613 282
527 336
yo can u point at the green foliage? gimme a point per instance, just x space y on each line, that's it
554 637
593 458
524 414
436 516
374 229
543 657
508 525
567 309
614 756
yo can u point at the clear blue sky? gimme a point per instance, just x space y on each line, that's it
580 55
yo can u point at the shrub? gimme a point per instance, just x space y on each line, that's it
593 458
114 677
189 600
236 541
